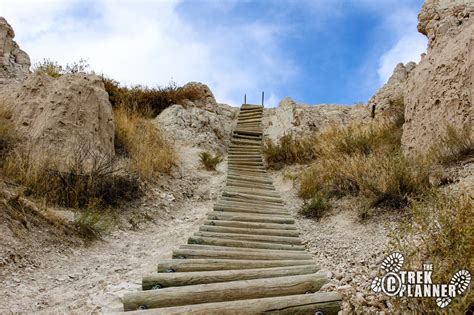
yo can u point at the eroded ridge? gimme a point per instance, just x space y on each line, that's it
247 258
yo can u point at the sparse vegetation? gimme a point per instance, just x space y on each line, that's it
89 177
439 230
92 223
55 70
209 161
316 207
148 102
365 161
138 139
289 150
452 147
8 137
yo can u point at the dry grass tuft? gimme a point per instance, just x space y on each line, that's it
149 102
8 138
55 70
137 138
439 230
88 178
289 150
452 147
365 161
209 161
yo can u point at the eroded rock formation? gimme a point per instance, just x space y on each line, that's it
14 62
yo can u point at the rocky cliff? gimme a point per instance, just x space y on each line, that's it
203 123
58 116
303 119
14 62
439 90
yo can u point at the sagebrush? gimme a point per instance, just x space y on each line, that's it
209 161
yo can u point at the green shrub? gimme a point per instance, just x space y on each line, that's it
91 223
208 161
316 207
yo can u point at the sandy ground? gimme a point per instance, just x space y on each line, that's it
94 278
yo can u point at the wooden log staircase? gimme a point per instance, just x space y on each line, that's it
247 258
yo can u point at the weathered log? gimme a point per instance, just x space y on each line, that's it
253 179
216 254
241 183
252 225
224 208
252 197
184 265
238 230
213 241
252 201
239 216
165 280
248 203
224 291
253 191
254 238
327 303
297 249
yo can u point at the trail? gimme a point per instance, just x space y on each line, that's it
93 279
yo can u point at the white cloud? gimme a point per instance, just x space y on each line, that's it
409 43
148 42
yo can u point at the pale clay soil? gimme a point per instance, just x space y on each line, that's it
94 278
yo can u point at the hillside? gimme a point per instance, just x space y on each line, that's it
99 181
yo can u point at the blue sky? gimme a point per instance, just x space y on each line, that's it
319 51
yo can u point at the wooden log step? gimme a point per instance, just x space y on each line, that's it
216 254
253 191
249 120
246 217
238 136
165 280
251 113
224 208
254 175
251 197
255 202
248 184
244 148
244 131
254 179
247 168
254 238
234 159
246 142
249 204
250 225
225 242
246 107
327 303
246 203
224 291
296 249
232 206
250 211
185 265
244 163
236 230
